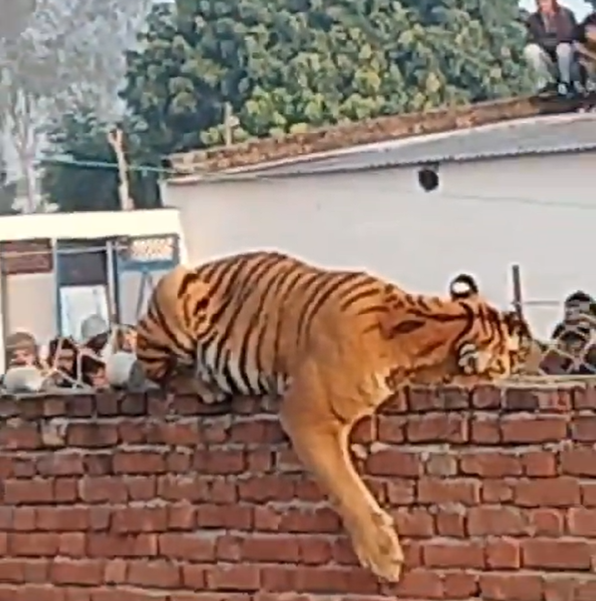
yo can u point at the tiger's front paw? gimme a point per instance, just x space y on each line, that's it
378 548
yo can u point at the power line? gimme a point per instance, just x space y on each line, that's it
531 201
101 165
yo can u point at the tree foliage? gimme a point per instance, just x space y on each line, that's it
8 191
80 172
287 65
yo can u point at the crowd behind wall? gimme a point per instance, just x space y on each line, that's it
71 362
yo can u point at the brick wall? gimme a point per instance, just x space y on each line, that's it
116 499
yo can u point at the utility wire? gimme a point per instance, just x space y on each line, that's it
583 206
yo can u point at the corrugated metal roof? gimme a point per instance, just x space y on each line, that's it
533 136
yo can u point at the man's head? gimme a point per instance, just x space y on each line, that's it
546 6
21 349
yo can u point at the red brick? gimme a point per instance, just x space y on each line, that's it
509 587
12 571
556 554
139 462
503 554
391 429
348 581
400 492
588 493
314 550
63 464
182 517
546 522
140 519
393 462
258 429
493 464
111 545
583 428
579 461
196 547
102 489
581 522
72 544
485 430
496 491
443 427
450 523
563 589
62 519
264 489
444 398
436 490
23 436
274 549
233 578
421 584
85 572
65 490
539 464
115 571
534 430
416 523
31 592
323 520
460 586
21 492
141 488
220 461
554 492
178 462
440 464
33 545
496 521
220 516
91 435
24 519
194 577
454 555
154 574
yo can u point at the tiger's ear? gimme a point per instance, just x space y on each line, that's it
463 286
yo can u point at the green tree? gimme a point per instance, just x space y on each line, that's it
287 65
80 172
8 191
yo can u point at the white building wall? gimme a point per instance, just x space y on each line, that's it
539 212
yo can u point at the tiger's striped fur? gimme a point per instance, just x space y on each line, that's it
334 345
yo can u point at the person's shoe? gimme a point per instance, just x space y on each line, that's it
549 89
564 90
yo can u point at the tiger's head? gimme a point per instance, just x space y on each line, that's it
499 342
461 339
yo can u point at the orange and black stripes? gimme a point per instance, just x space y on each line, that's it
244 322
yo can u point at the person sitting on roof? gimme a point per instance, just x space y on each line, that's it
586 46
552 31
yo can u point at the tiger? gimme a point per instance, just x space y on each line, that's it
333 345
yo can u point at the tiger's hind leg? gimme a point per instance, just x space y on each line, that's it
320 440
185 382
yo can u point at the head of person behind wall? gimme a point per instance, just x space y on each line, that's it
573 348
21 349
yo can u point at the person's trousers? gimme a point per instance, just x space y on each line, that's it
561 64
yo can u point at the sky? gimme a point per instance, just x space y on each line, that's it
579 7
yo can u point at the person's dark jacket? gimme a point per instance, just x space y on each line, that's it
589 21
562 29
